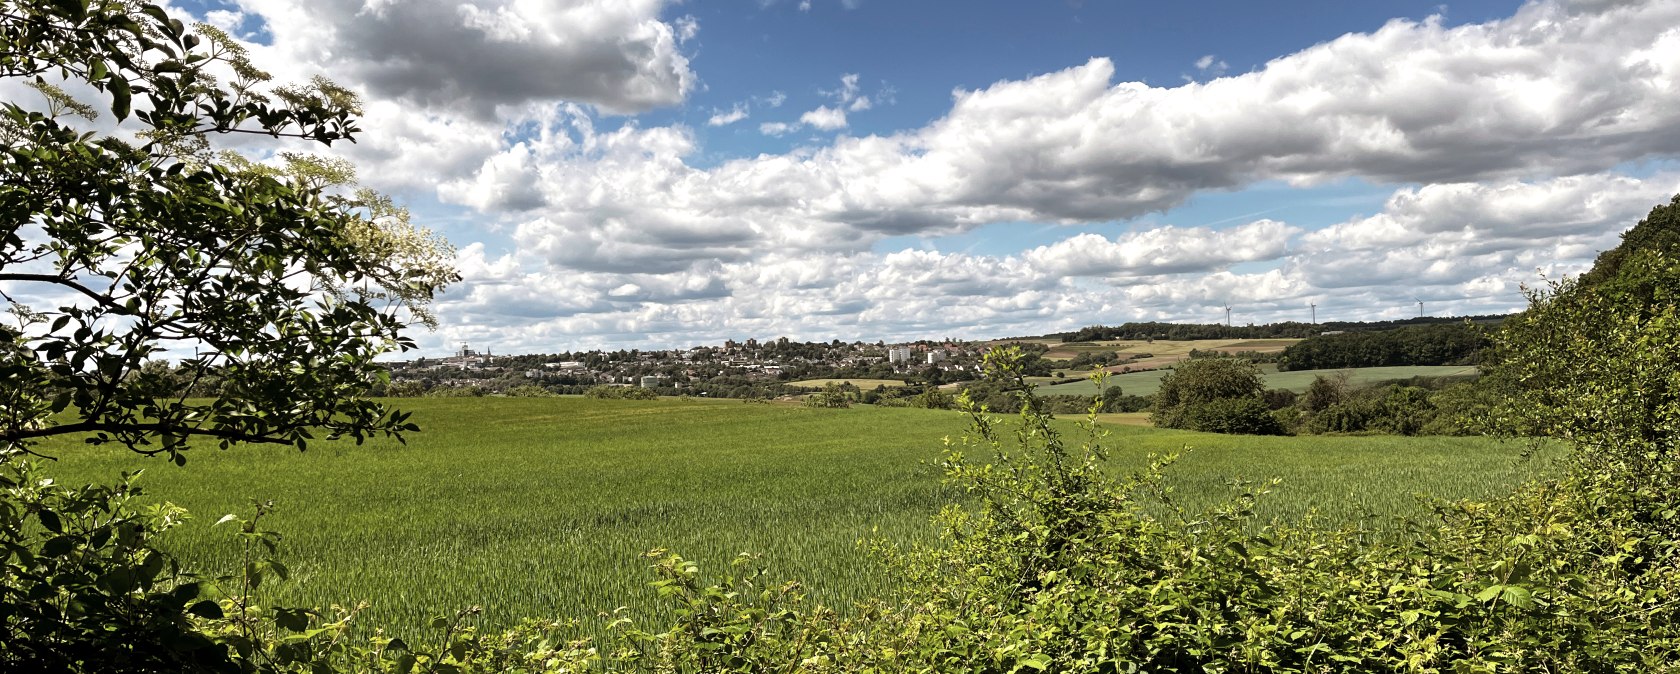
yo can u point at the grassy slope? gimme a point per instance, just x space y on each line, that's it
541 506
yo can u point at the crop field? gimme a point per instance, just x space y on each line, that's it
1171 350
863 384
542 506
1147 383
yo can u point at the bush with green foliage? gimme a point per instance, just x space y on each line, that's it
834 395
1241 416
1416 406
1086 360
606 392
1115 400
933 398
457 392
529 391
1224 387
407 389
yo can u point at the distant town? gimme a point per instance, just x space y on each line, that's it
748 369
777 367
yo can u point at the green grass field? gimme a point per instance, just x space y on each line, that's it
1163 347
1147 383
540 507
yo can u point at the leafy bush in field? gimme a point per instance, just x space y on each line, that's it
529 391
457 392
406 389
835 395
1243 416
605 392
1330 405
1213 393
933 399
1086 360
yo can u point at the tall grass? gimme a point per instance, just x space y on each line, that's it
540 507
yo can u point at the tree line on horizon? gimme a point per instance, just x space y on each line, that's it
1283 330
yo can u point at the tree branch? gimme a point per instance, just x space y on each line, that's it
104 300
164 428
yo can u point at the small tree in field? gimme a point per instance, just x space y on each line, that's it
1205 394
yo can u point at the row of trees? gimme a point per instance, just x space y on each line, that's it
1440 344
1283 330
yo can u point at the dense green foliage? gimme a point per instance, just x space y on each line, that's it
1658 233
281 287
1086 360
1441 344
1183 331
1217 395
604 392
1418 406
834 395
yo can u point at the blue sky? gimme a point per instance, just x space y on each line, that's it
647 173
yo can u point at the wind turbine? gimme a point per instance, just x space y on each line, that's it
1420 307
1314 306
1227 315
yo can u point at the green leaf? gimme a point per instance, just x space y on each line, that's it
58 546
1518 596
206 609
292 619
155 12
60 401
49 519
75 10
121 98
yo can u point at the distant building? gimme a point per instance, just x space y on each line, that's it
651 381
899 354
935 356
466 358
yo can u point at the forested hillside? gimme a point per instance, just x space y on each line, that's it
1286 329
1440 344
